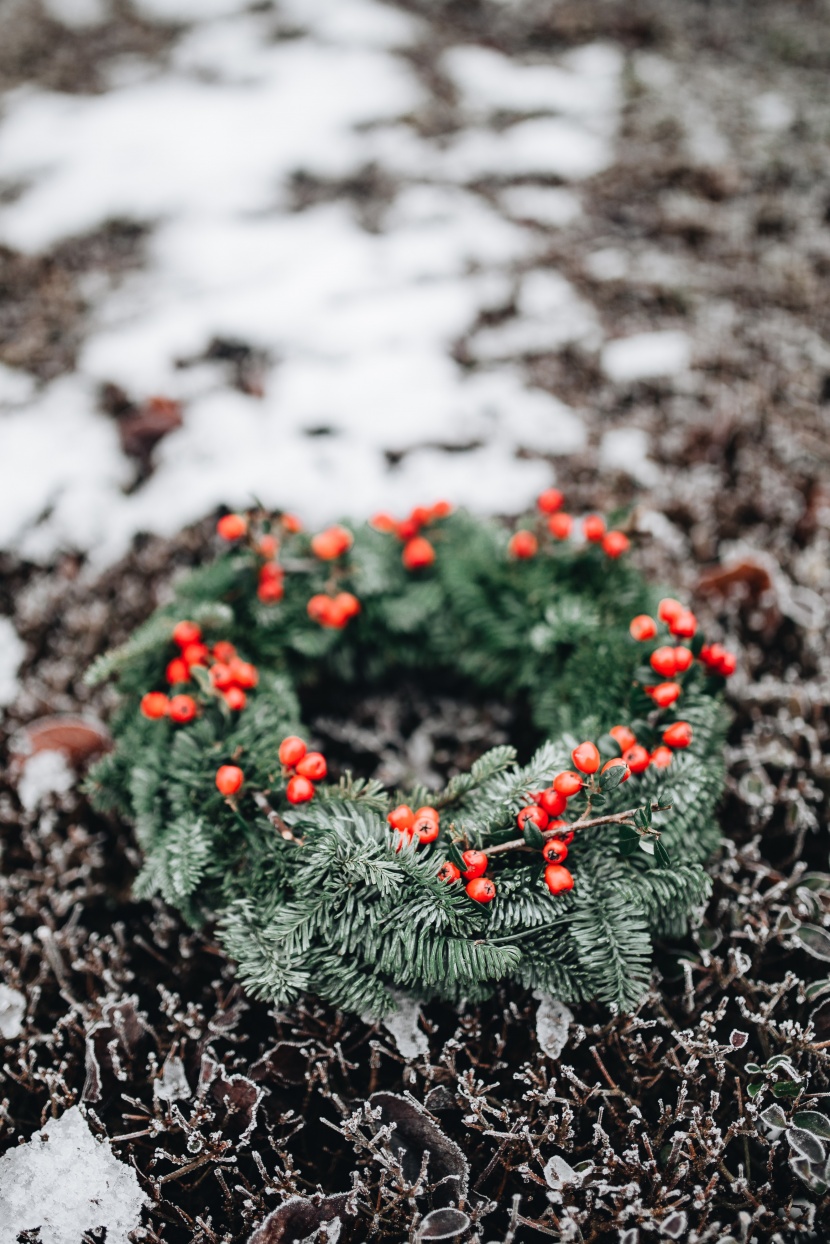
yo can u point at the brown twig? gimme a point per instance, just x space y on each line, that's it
276 820
615 818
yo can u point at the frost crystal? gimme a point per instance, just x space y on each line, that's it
553 1020
12 1007
65 1182
402 1025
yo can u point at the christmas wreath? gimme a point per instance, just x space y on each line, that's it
556 873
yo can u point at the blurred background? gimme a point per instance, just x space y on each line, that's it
343 255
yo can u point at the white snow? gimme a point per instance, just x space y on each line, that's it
626 449
77 14
774 112
359 324
65 1182
12 652
402 1025
12 1010
45 773
644 356
553 1019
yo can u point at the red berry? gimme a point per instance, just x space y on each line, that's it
299 790
727 664
154 705
319 609
182 709
348 604
481 889
401 818
568 783
558 879
642 627
550 501
427 824
244 674
420 516
665 693
185 633
383 522
331 543
221 676
229 778
560 526
684 624
523 545
624 737
669 608
271 584
196 654
268 547
661 757
586 758
637 759
683 658
232 526
223 651
291 523
292 750
554 851
448 872
535 815
615 764
475 864
441 509
663 661
235 698
593 528
426 828
177 671
552 801
418 553
615 543
407 529
313 765
712 654
678 735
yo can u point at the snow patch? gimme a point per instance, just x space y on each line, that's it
645 356
66 1182
553 206
12 1010
402 1025
553 1019
626 449
12 652
45 773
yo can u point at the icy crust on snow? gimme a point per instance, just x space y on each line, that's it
66 1182
359 325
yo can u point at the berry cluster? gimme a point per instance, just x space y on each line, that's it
302 768
229 677
423 825
673 660
266 544
418 552
525 544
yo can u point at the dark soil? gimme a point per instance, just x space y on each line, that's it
657 1102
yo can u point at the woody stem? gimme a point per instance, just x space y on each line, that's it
615 818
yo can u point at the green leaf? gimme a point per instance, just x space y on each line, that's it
629 840
752 1069
533 836
611 778
813 1121
454 856
754 1089
661 855
815 940
608 746
786 1088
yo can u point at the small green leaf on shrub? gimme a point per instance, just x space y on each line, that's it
754 1089
661 855
612 777
786 1088
533 836
813 1121
454 856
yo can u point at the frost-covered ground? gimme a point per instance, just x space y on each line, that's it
357 321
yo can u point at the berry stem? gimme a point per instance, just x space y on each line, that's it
615 818
275 819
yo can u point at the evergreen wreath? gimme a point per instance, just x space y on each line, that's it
354 892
